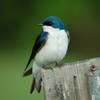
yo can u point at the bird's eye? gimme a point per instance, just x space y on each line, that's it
48 23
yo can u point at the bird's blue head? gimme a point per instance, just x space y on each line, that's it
53 21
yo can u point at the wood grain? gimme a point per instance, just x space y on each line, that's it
71 81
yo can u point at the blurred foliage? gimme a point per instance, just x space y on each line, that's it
19 21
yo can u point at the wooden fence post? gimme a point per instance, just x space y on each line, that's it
72 81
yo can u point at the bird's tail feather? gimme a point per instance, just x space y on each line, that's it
35 85
32 86
38 86
36 82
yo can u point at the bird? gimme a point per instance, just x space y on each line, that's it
51 46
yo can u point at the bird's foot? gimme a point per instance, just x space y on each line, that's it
58 64
46 67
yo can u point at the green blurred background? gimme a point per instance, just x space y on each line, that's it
19 21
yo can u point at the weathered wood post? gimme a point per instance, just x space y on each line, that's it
73 81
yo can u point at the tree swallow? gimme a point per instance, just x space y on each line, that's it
50 47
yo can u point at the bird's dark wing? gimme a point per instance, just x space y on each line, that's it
39 43
68 36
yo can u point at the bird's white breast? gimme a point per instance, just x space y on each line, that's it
55 48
